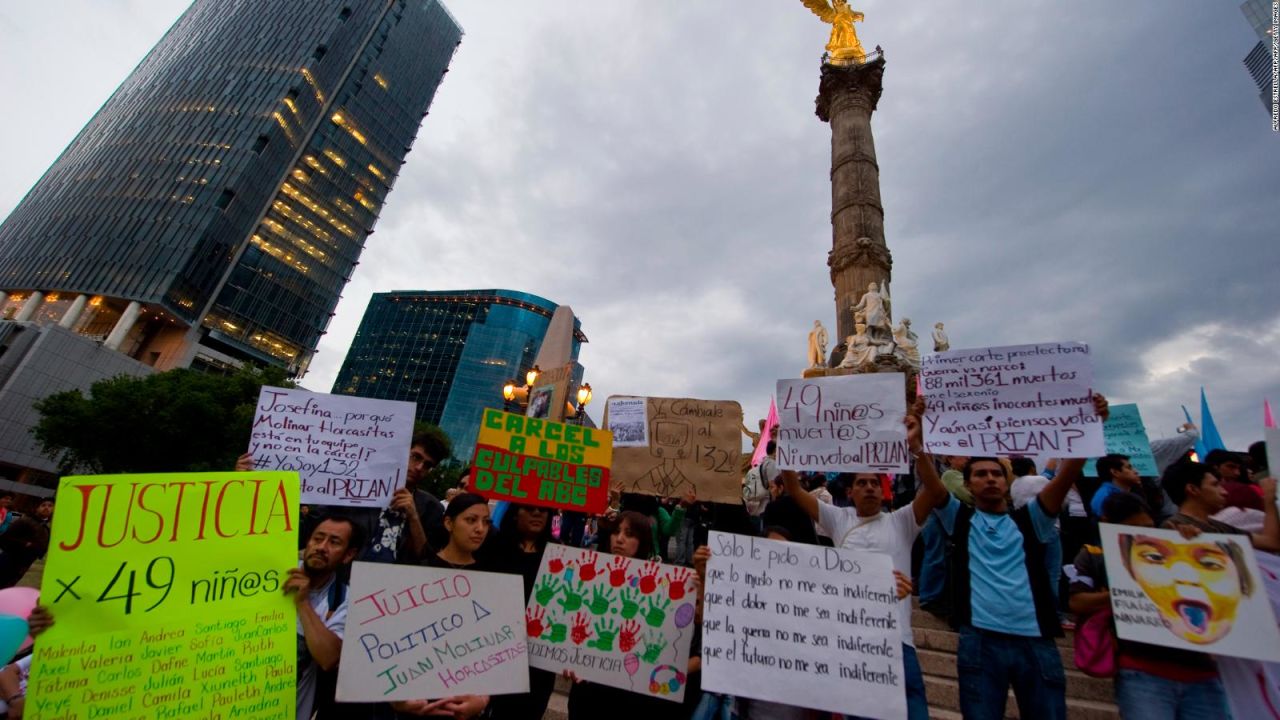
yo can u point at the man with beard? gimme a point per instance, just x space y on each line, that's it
321 599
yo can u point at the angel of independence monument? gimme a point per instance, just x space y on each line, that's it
860 261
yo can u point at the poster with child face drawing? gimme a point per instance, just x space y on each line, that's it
1202 594
618 621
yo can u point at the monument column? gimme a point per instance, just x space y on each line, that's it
847 96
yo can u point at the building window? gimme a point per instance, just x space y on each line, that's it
346 13
259 144
319 53
224 199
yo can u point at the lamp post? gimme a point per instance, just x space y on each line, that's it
514 395
584 397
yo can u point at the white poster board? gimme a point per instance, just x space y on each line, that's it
803 625
417 633
1031 400
1205 594
616 621
348 450
849 423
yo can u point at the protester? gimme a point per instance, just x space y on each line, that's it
466 522
1198 492
44 512
1003 605
1152 682
320 598
631 536
788 513
26 541
7 515
755 485
1238 491
865 527
517 549
1258 470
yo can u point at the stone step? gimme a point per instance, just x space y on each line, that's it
558 708
1079 685
944 694
929 621
948 641
940 714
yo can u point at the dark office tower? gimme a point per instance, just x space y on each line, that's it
448 351
212 211
1259 60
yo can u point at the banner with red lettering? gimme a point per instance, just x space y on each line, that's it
166 591
417 633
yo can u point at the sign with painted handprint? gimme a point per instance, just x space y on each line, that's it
614 620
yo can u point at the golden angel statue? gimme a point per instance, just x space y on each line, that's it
843 48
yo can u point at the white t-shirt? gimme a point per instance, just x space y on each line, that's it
890 533
1025 488
337 624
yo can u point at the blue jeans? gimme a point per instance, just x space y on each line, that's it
1143 696
933 566
990 662
913 680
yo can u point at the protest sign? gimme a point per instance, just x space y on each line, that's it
850 423
803 625
1126 435
1253 687
539 462
167 594
691 445
1204 594
348 450
618 621
1272 438
416 632
1019 400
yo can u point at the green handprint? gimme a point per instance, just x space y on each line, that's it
559 631
572 599
656 614
547 590
653 647
629 605
599 604
606 630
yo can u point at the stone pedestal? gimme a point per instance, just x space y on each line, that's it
847 96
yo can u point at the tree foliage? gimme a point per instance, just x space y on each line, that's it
175 421
445 475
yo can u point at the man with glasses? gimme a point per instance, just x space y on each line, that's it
403 532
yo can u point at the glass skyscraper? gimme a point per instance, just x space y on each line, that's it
213 209
1259 60
448 351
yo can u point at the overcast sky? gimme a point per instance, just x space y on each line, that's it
1050 170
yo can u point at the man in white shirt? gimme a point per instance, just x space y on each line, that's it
864 526
321 599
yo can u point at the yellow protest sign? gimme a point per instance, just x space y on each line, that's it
540 462
166 591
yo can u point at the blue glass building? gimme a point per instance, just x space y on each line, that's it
448 351
215 206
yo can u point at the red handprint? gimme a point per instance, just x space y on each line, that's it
579 633
556 565
618 571
533 621
587 566
628 639
649 578
675 581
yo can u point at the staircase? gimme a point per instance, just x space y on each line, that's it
1088 698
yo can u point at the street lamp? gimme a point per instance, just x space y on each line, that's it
584 397
531 377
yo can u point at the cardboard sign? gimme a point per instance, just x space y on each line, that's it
548 396
167 594
1126 435
1031 400
851 423
416 632
348 450
617 621
803 625
544 463
692 445
1205 594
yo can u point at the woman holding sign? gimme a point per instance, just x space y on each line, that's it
631 536
467 522
521 540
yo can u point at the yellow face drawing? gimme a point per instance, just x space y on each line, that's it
1196 585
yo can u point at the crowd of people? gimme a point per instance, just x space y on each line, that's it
1009 555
